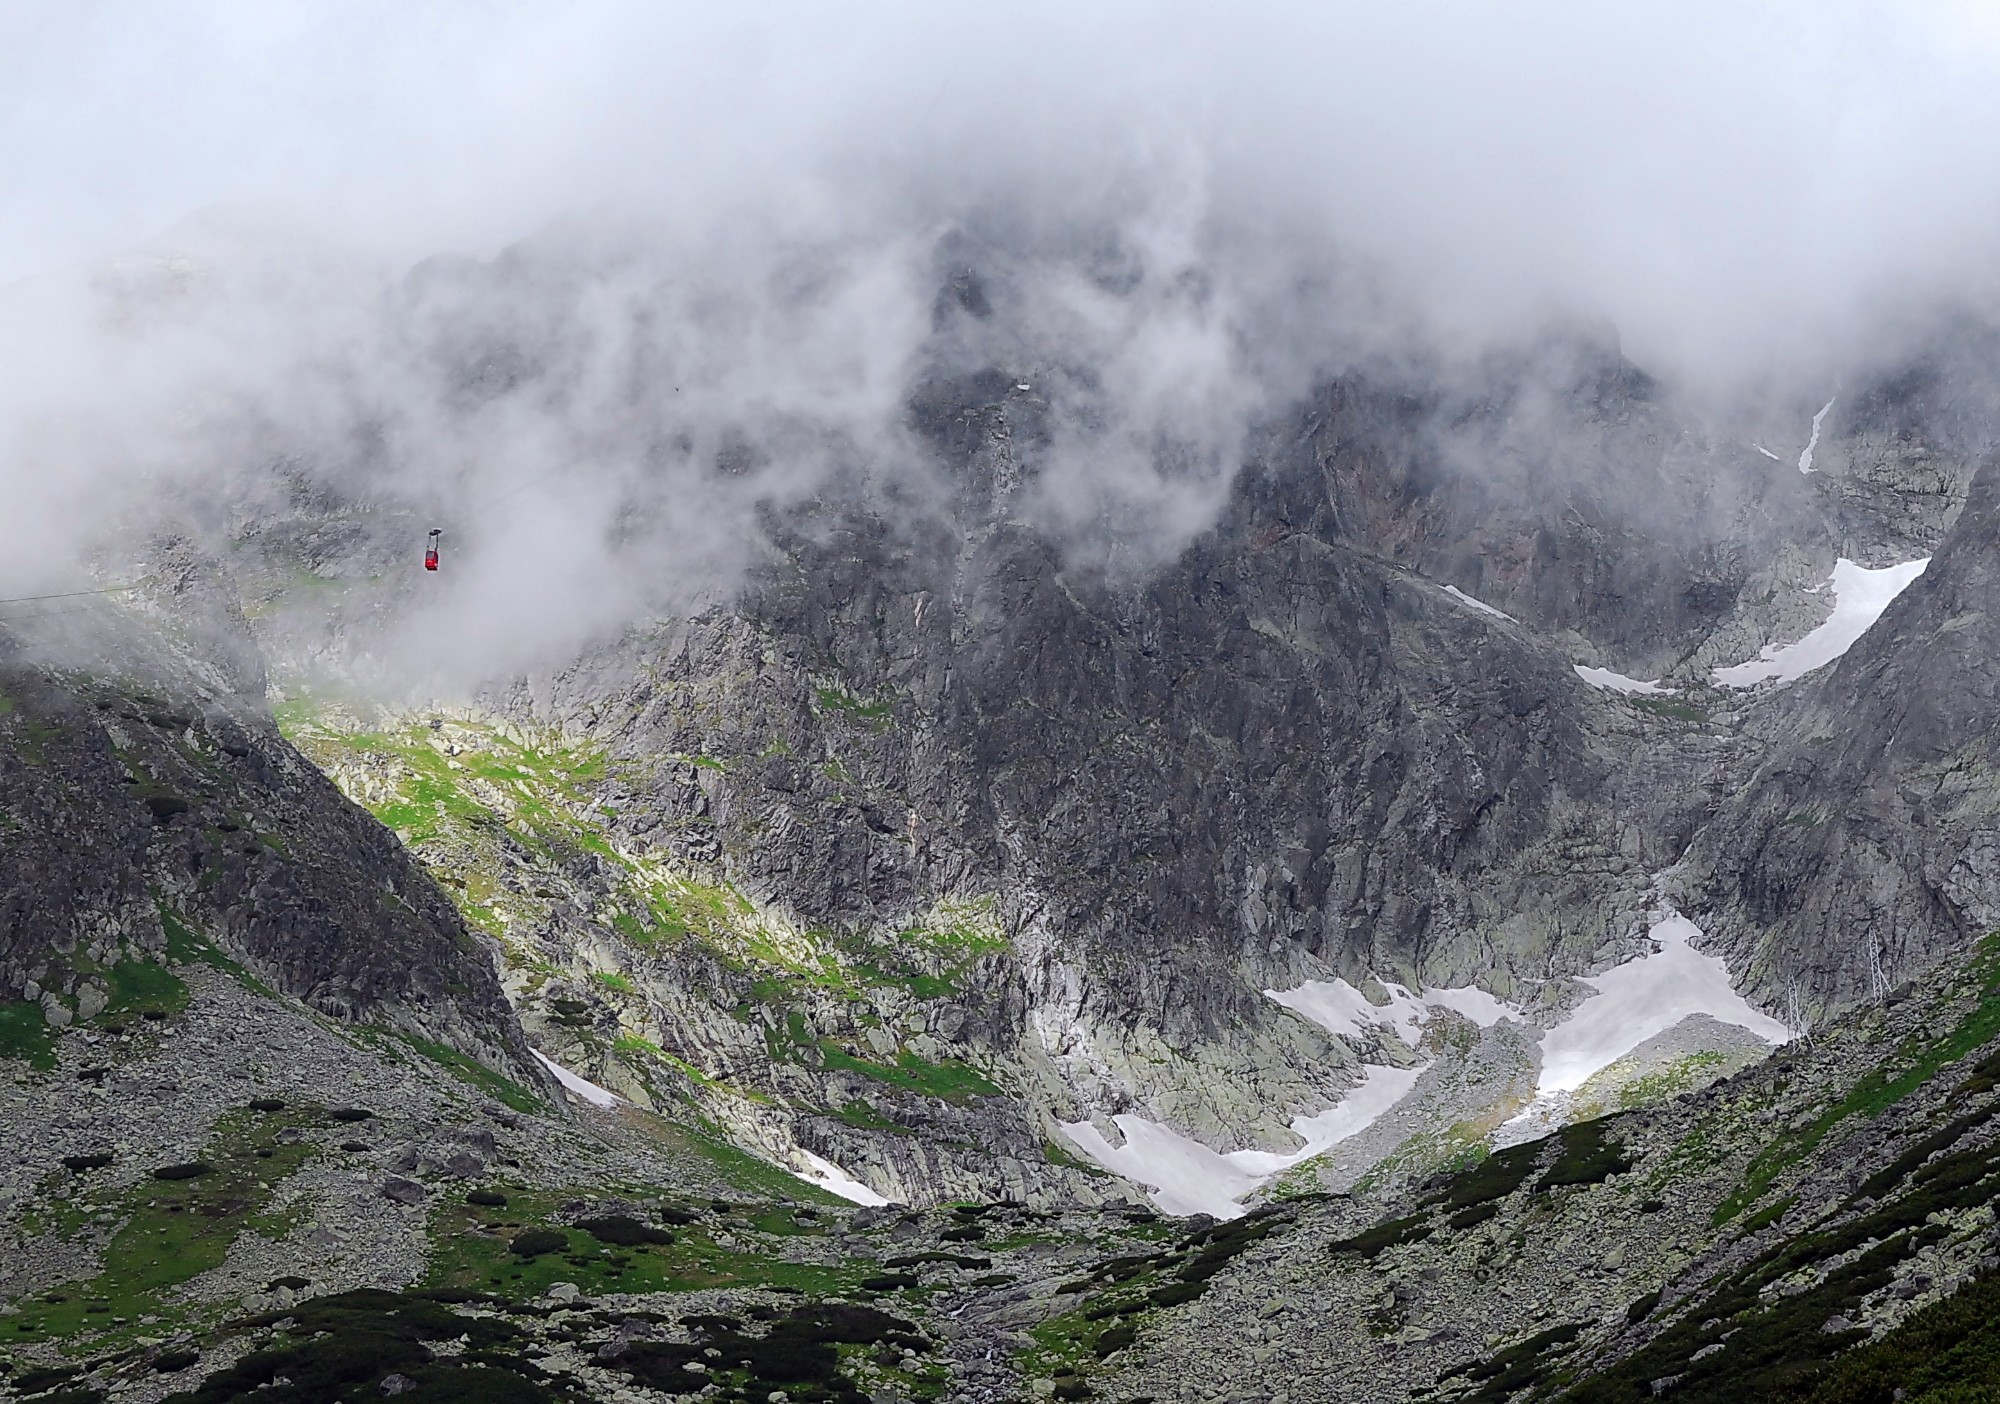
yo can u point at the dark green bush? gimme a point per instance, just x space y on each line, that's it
535 1242
188 1171
1588 1156
1370 1242
1117 1338
623 1231
1641 1308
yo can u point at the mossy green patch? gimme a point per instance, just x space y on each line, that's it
919 983
1652 1088
1446 1150
25 1034
138 988
841 703
186 946
946 1081
475 1073
1881 1088
473 1248
736 1167
460 792
864 1117
1669 708
1061 1155
170 1230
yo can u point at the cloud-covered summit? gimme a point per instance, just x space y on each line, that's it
549 262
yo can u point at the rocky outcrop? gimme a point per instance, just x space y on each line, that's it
1726 1244
1288 754
1868 841
146 798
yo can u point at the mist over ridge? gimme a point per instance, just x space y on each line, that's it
592 286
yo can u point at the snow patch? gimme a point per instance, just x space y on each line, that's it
1476 1004
830 1177
1186 1177
1340 1008
1859 597
1767 453
1805 458
1381 1088
1618 682
1644 997
1479 605
582 1087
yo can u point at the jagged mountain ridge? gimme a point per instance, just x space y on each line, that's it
1286 754
1864 844
146 790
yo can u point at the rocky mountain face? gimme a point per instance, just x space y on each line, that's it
240 1197
942 806
1819 1226
955 859
1863 846
147 796
1291 754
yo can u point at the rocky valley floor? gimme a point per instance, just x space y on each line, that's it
219 1195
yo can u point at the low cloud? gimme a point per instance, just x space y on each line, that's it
588 285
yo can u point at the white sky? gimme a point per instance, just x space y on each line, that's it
1707 174
210 210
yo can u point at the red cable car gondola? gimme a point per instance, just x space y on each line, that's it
431 550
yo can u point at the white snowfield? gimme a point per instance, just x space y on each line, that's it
1860 595
1482 1008
589 1091
1644 997
1631 1003
1805 458
1618 682
1339 1007
830 1177
1186 1177
1479 605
